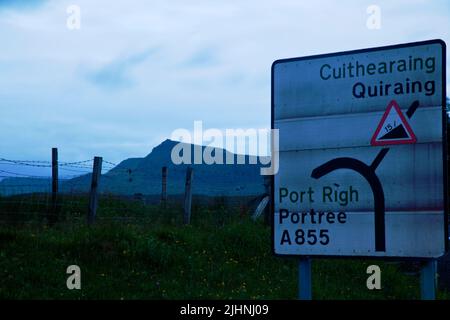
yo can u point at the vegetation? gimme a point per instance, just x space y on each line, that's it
222 255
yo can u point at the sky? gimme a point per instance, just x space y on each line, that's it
136 71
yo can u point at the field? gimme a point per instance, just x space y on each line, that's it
223 254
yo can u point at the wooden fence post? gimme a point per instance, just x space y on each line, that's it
93 197
53 216
164 187
188 196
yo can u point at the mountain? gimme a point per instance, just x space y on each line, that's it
143 175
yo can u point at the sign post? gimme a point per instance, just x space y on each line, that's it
428 280
362 155
304 279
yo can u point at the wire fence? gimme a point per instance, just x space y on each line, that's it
29 198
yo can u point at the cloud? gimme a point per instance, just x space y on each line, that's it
206 57
21 4
116 74
160 65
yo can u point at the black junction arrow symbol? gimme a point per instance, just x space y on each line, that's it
368 172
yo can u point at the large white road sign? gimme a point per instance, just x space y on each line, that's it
362 168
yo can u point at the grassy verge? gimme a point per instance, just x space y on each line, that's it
219 256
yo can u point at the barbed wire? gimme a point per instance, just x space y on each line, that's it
29 163
24 175
75 163
75 170
111 163
14 164
33 198
44 164
23 185
68 166
69 183
24 161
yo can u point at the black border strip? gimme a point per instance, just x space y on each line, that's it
444 144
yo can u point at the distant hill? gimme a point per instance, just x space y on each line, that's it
18 185
143 175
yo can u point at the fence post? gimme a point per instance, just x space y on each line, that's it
268 192
164 187
54 210
188 196
93 197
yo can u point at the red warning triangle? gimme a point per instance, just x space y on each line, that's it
393 128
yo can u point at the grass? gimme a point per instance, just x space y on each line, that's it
221 255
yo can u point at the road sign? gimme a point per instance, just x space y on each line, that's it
361 153
393 128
